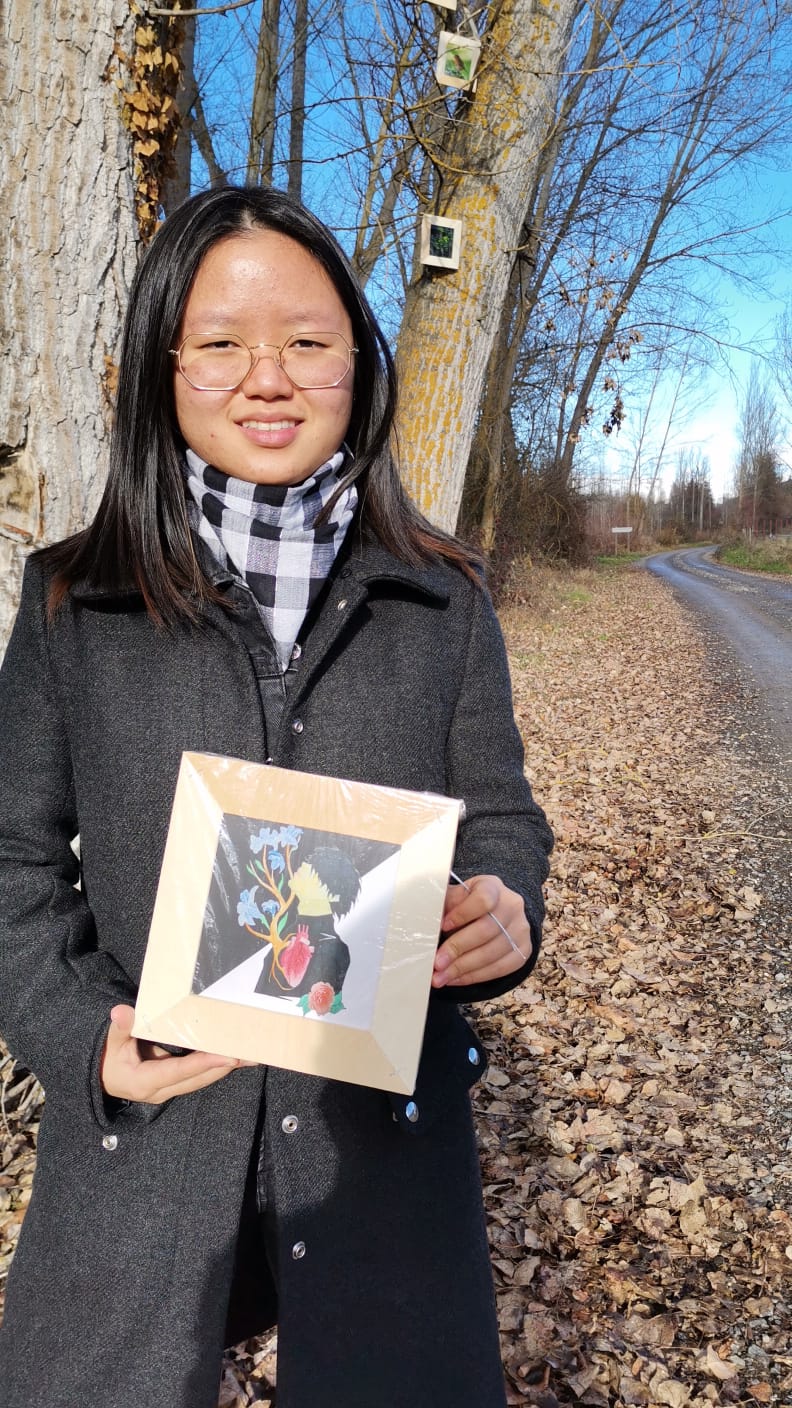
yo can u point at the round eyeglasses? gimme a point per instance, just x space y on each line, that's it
313 361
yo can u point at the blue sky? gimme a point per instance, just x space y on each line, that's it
708 421
707 412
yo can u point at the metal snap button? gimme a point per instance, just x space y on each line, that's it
110 1142
342 604
411 1111
289 1124
297 726
473 1056
298 1250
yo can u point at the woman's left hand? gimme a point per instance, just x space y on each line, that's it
476 949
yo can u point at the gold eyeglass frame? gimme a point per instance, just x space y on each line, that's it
326 386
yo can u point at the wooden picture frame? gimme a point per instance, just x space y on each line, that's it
296 921
441 241
457 59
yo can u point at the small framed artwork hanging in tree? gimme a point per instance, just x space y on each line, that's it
296 921
441 241
457 59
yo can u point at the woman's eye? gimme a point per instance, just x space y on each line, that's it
302 343
216 344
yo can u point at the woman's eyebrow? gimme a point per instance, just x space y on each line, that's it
309 318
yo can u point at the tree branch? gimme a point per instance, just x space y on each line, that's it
208 10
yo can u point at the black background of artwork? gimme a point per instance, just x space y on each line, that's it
225 943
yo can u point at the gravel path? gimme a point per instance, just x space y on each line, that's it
747 617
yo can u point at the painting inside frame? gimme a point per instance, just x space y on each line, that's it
296 920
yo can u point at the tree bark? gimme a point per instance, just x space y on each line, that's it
297 117
488 171
67 242
261 144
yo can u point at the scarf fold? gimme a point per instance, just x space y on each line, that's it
267 534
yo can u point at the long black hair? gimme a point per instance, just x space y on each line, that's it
140 537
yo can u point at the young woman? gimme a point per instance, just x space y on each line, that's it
255 584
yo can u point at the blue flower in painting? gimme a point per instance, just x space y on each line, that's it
266 837
248 911
276 861
290 836
271 907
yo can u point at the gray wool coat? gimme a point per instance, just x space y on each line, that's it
377 1268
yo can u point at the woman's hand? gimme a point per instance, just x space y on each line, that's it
142 1071
477 949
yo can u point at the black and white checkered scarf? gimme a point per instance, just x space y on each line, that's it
267 533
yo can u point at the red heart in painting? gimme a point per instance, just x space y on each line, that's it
296 956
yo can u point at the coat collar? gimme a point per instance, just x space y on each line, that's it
362 558
367 561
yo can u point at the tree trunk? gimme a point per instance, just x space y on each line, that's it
452 318
495 406
297 117
67 242
177 187
261 144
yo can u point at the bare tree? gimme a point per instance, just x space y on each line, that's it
657 105
261 143
757 476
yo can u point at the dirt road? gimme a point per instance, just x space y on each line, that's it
750 615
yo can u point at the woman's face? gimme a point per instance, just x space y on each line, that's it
264 287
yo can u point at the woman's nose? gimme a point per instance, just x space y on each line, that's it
266 376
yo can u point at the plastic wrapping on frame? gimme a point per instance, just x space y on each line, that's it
296 920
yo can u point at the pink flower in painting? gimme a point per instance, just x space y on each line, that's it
296 956
320 998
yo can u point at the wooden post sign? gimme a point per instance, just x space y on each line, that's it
617 532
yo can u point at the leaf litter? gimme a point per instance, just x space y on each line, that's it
634 1121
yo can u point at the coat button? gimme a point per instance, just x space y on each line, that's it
411 1111
110 1142
342 604
289 1124
296 652
473 1056
298 1251
297 726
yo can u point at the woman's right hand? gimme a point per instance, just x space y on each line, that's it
142 1071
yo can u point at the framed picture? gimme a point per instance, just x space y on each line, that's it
296 921
441 241
457 59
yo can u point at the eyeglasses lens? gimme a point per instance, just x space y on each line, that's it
310 361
